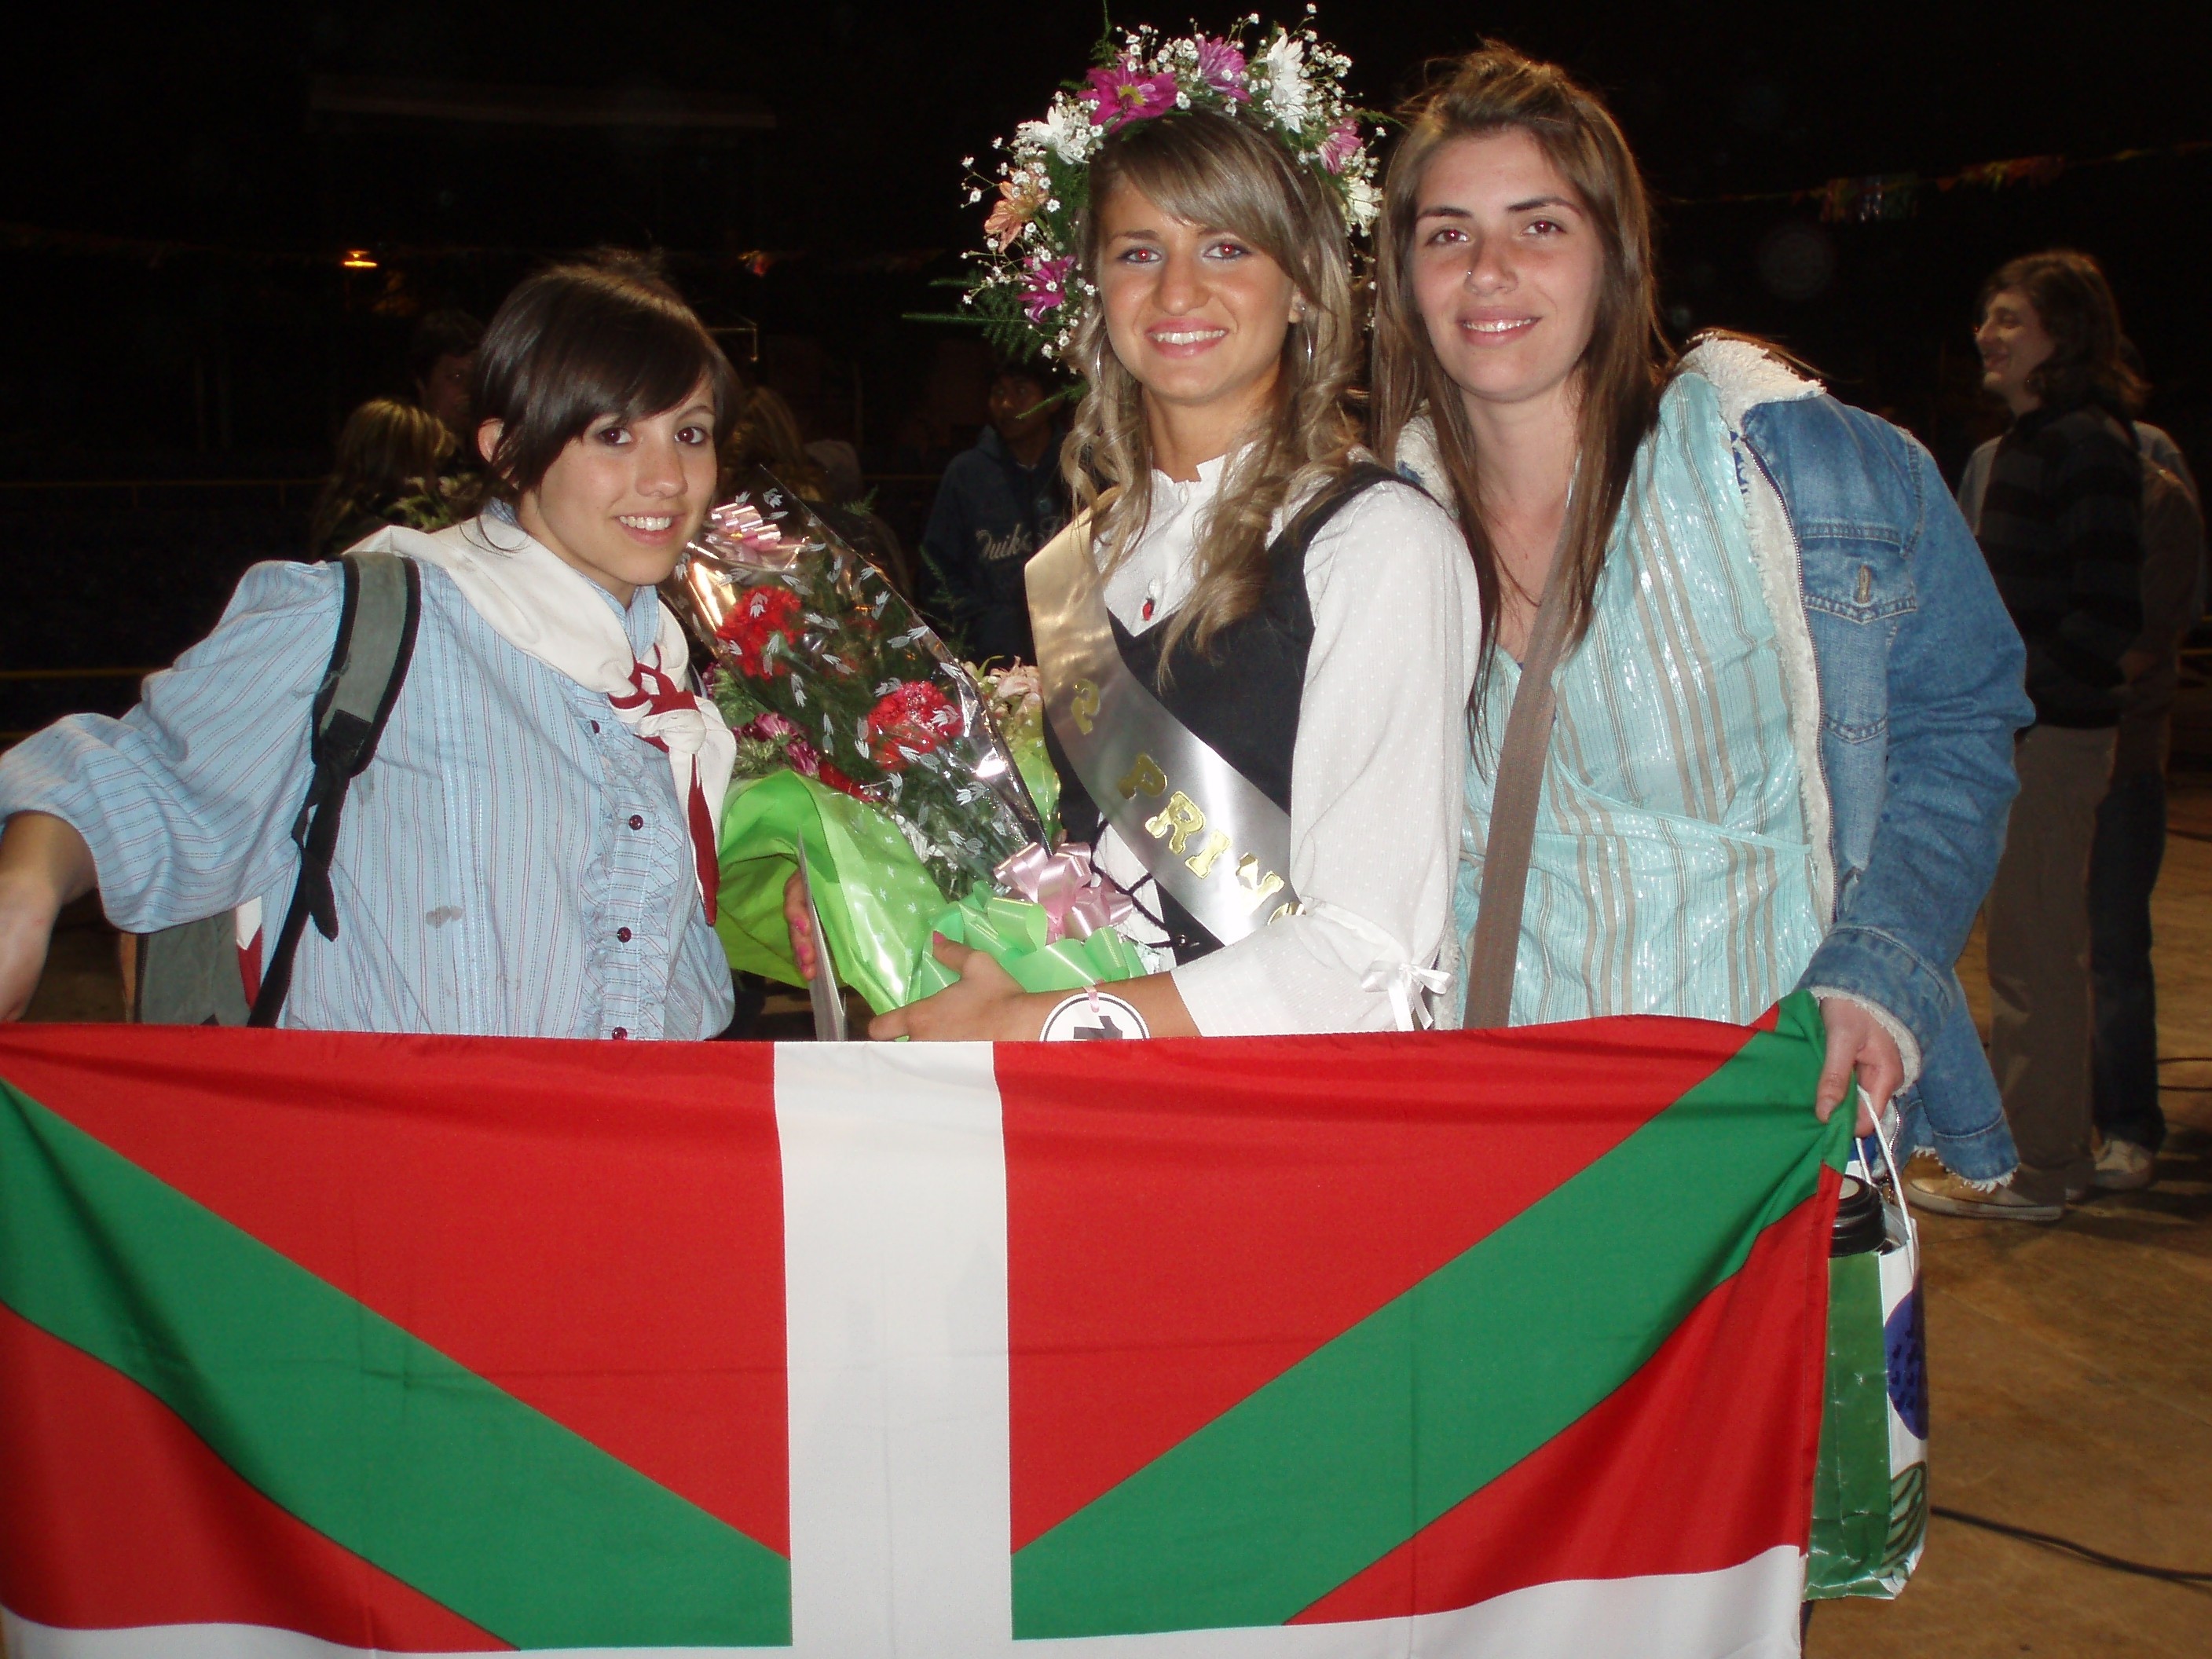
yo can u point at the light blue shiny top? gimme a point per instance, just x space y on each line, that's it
1671 871
513 863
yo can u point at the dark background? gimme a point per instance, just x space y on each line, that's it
218 338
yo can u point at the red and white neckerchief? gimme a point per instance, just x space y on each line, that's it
549 611
672 719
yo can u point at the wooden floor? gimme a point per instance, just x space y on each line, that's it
2070 1375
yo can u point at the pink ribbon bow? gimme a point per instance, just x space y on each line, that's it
1076 900
741 533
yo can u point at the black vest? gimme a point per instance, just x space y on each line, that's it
1240 695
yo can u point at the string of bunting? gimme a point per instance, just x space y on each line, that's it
1883 196
1864 199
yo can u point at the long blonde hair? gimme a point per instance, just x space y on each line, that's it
1628 362
1214 170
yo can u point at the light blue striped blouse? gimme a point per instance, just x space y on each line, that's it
513 863
1671 871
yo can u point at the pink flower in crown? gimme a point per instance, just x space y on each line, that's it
1221 66
1120 94
1340 146
1044 286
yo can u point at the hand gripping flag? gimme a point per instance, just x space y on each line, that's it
1502 1343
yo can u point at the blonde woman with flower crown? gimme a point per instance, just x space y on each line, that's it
1279 604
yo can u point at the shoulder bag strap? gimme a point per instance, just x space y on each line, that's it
1497 945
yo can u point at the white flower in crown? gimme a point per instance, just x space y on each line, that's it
1363 202
1288 94
1066 131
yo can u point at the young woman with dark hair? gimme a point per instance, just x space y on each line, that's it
531 851
1785 690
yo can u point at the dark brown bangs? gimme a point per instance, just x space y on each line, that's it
578 344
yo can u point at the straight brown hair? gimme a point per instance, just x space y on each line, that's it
2074 304
1626 365
577 342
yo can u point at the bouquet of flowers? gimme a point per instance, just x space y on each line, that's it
862 739
820 659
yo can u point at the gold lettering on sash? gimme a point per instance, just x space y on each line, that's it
1083 707
1262 887
1143 777
1179 820
1282 910
1201 865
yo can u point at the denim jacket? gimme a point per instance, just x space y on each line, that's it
1906 682
1918 676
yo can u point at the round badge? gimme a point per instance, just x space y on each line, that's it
1093 1017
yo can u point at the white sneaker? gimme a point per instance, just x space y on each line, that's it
2125 1166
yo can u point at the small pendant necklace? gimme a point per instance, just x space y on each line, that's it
1151 600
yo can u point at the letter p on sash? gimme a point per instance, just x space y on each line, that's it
1143 777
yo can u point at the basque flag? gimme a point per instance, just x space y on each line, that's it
1481 1343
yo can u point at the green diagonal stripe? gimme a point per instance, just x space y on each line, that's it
362 1431
1350 1452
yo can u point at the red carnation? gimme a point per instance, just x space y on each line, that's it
764 614
913 719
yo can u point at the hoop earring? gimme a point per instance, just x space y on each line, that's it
1306 334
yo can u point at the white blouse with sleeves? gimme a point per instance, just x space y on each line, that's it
1376 773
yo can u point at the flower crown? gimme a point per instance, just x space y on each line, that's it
1027 293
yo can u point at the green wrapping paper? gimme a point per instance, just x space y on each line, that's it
878 903
876 900
1035 767
1012 932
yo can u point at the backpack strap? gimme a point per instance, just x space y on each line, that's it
368 664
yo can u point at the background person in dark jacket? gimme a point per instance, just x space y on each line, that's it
2061 526
998 504
2130 844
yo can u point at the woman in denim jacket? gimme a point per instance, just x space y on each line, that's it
1782 751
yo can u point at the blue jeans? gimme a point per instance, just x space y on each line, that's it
2124 864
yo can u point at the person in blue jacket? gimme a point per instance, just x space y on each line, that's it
1781 755
531 852
1000 501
